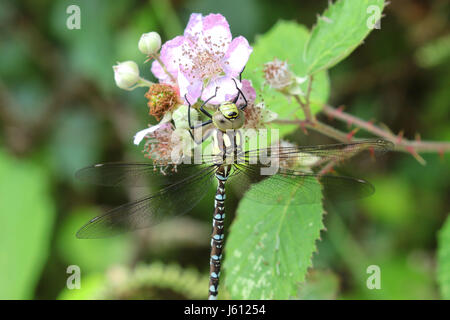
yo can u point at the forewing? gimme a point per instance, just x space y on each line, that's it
321 153
135 174
175 199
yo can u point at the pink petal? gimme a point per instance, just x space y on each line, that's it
191 88
194 26
211 33
236 57
248 91
216 26
158 71
226 90
171 53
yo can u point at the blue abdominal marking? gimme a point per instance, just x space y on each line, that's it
220 197
221 178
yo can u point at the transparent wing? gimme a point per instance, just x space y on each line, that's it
175 199
322 153
134 174
296 187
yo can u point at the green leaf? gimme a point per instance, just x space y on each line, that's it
393 202
285 41
27 215
269 248
341 28
75 143
444 260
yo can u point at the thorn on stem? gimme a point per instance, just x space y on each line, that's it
418 137
416 155
352 133
400 136
330 170
330 117
303 127
349 124
372 153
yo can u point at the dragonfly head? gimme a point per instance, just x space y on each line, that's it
229 110
228 117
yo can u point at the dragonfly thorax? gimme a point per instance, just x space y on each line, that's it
227 147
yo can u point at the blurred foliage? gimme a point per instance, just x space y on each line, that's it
319 285
60 111
90 255
154 281
434 53
27 216
444 260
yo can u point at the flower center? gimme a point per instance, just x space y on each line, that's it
204 56
161 98
159 145
277 74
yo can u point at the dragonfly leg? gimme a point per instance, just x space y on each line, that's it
193 127
240 74
199 126
240 93
206 101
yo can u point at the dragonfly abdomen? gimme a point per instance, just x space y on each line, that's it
217 236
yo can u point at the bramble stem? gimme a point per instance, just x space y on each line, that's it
401 144
414 147
163 66
306 106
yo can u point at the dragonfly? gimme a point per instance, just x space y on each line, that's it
186 184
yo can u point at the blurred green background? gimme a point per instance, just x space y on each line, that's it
60 111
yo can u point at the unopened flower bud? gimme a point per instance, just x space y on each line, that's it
149 43
126 74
